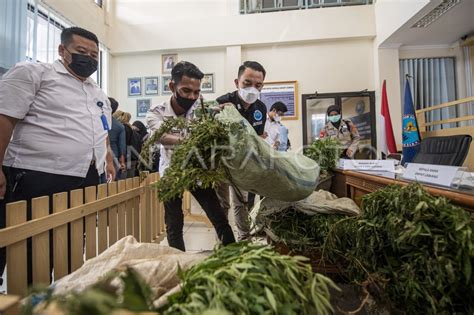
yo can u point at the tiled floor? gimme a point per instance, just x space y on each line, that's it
197 236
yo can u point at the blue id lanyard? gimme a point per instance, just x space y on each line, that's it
105 124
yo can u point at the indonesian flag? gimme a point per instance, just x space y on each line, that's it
387 144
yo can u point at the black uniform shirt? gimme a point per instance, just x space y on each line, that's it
256 114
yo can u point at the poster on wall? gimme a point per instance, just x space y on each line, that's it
363 125
207 83
165 85
283 91
134 86
151 85
143 106
168 62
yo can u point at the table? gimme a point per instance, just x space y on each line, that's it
354 185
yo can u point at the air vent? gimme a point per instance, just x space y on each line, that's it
434 14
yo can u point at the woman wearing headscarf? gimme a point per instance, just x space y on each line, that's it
341 129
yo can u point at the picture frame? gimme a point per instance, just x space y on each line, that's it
152 85
143 106
168 61
281 91
165 89
207 83
134 86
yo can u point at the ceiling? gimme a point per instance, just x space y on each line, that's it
446 30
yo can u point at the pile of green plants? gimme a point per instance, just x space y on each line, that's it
300 231
413 250
197 161
130 293
326 152
246 278
241 278
147 147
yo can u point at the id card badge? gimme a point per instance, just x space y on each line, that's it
105 124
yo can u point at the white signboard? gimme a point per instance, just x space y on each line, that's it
435 174
367 165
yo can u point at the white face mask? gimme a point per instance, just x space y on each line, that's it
249 95
277 118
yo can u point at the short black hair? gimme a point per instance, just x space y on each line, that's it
67 33
252 65
114 104
185 68
279 107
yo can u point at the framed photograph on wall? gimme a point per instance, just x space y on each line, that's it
207 83
152 85
143 105
134 86
168 62
281 91
165 88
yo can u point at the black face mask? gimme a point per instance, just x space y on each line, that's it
184 103
83 65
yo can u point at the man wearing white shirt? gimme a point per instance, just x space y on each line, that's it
272 125
54 121
185 85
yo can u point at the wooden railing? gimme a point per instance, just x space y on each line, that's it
462 130
95 219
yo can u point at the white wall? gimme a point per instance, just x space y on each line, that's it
133 12
389 70
329 50
236 30
332 66
142 65
390 15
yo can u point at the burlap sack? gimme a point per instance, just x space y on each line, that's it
158 265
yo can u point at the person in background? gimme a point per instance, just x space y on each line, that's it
54 123
117 142
140 129
132 141
273 124
343 130
249 83
186 88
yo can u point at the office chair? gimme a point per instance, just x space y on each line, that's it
450 150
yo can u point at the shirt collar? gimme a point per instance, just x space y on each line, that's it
170 112
60 68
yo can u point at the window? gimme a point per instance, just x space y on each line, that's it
44 29
43 34
358 107
259 6
433 82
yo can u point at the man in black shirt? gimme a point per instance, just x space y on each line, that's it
249 83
